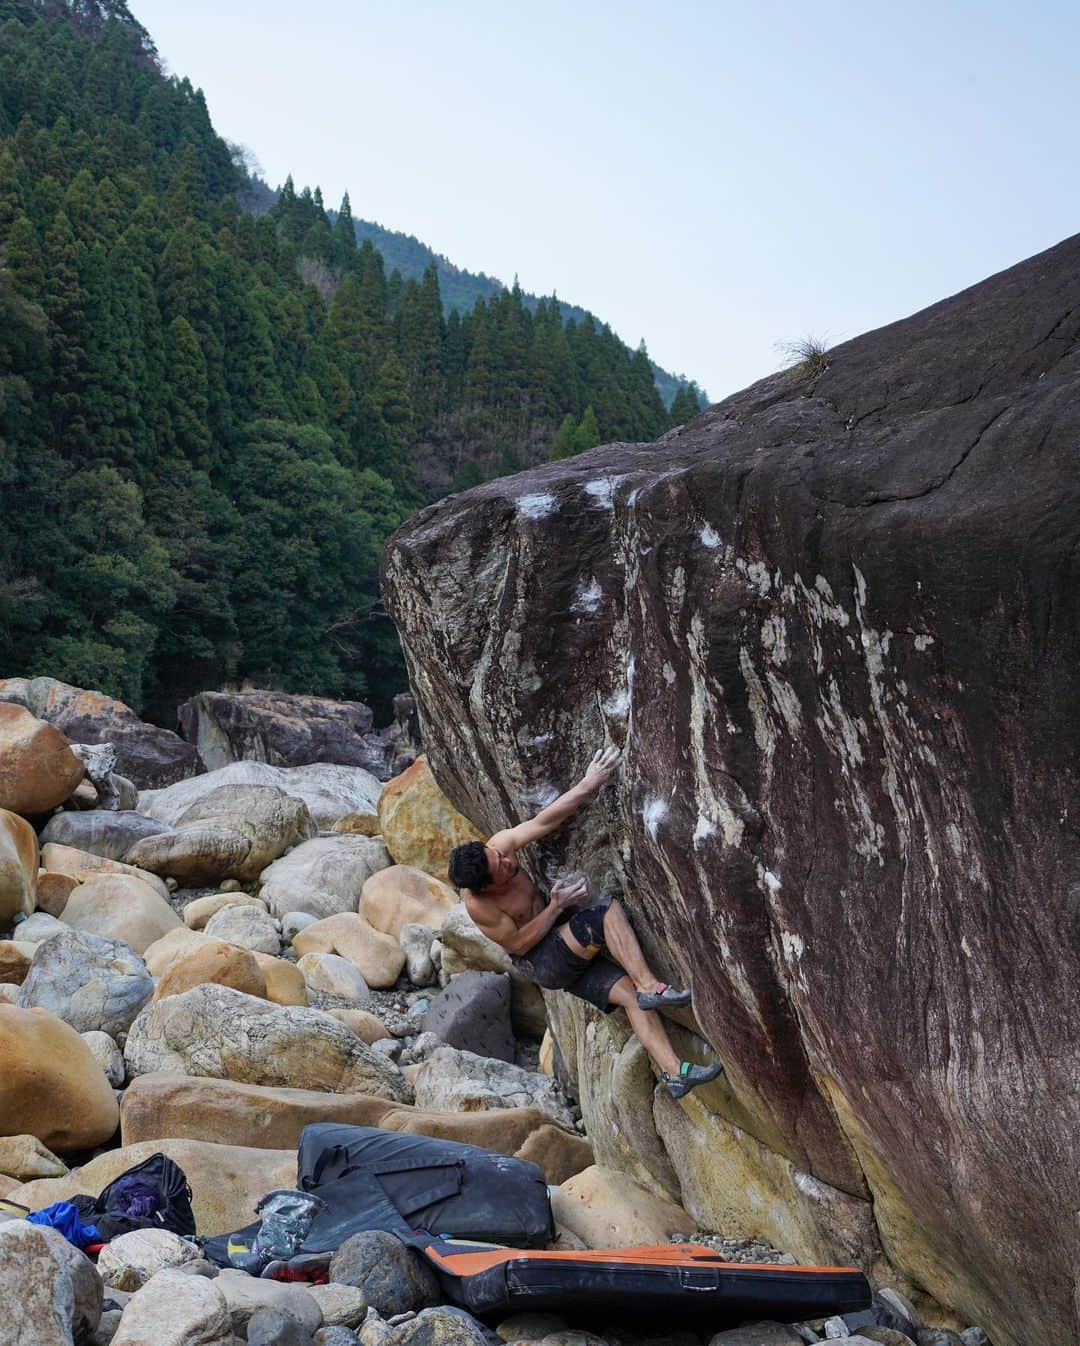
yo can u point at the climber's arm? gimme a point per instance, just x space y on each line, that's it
515 939
556 813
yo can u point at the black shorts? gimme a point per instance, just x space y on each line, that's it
554 965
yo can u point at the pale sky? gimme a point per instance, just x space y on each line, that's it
715 178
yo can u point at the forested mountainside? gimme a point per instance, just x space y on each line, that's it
211 421
461 289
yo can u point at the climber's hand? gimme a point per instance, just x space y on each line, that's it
565 895
603 764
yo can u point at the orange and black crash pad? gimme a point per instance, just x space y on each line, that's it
672 1281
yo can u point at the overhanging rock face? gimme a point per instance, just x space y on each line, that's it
834 625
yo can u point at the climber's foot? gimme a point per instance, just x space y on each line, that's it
689 1077
664 997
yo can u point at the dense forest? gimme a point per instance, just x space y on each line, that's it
461 289
211 420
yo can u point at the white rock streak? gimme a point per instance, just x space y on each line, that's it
536 506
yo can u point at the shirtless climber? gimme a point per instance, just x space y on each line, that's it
592 953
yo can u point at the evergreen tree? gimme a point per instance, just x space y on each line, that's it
187 398
587 435
685 405
563 446
422 338
344 241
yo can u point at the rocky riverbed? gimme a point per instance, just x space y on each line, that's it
201 969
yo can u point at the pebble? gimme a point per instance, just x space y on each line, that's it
738 1250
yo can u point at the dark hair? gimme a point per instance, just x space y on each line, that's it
469 866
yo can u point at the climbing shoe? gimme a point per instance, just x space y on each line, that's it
689 1077
668 997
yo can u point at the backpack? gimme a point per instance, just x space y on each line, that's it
153 1195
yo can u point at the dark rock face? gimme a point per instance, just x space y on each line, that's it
147 755
292 730
472 1013
833 625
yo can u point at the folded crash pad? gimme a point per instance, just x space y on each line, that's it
417 1187
669 1281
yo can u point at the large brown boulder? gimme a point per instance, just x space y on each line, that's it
419 824
402 895
832 623
145 754
38 770
50 1085
160 1105
83 865
119 906
18 867
378 956
166 1104
217 962
607 1209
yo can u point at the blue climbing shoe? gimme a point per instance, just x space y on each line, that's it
668 997
689 1077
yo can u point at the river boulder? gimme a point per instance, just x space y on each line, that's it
223 1034
146 754
38 770
832 625
232 832
18 867
285 729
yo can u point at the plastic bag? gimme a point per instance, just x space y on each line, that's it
287 1217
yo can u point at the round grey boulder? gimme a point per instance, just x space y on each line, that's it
92 983
38 927
295 921
274 1327
248 926
102 832
392 1277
